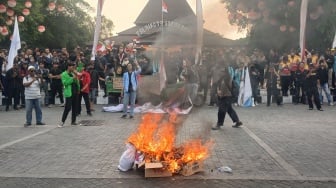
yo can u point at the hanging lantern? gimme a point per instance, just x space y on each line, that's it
3 8
21 19
4 31
291 3
291 29
9 22
52 6
314 15
261 5
28 4
11 3
41 28
283 28
26 12
60 8
10 12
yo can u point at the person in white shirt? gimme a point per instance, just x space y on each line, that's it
32 84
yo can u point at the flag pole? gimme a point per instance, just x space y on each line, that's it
97 29
303 21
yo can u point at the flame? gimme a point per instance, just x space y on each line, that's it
155 137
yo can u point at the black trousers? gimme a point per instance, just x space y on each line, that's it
313 92
70 105
13 93
225 106
54 88
275 93
86 101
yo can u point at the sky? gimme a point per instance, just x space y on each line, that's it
124 12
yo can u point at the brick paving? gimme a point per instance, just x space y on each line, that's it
286 146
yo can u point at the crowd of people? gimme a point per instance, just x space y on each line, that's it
280 74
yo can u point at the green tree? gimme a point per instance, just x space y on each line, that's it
276 23
68 25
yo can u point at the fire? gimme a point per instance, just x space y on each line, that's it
155 138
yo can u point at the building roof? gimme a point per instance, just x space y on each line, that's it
153 11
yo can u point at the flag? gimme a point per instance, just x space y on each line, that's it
334 42
199 39
97 29
164 7
303 20
162 73
247 90
15 45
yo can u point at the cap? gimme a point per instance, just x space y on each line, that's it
31 67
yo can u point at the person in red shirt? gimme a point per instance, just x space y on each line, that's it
85 80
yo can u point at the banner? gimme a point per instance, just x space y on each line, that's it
97 29
303 21
199 39
15 45
245 89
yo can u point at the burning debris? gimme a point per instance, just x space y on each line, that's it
152 146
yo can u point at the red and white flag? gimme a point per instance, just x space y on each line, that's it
164 7
97 29
303 21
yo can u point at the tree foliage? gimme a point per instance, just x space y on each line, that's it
68 25
276 23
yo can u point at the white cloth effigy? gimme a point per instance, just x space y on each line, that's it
149 108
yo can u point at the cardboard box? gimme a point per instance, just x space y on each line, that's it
192 168
156 170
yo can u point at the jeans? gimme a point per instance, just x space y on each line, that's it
324 87
129 97
30 104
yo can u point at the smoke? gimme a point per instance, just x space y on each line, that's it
216 20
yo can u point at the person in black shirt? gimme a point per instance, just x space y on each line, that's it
299 81
324 86
312 81
271 83
56 84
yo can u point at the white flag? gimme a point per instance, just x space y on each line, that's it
247 101
303 20
97 29
334 42
15 45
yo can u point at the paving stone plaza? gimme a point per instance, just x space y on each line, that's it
287 146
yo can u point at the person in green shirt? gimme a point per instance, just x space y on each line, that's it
71 90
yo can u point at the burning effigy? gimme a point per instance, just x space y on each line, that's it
153 147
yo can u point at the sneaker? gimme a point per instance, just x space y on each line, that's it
331 104
320 109
124 116
215 128
238 124
60 125
50 106
89 114
61 105
131 117
74 123
40 123
27 124
310 108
